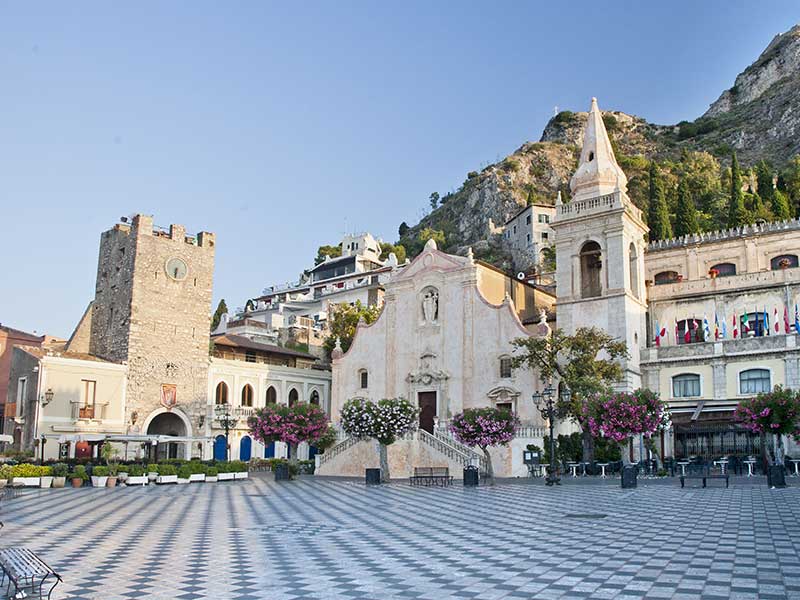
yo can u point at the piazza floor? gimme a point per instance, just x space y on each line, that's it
331 539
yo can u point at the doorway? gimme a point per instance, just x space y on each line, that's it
427 410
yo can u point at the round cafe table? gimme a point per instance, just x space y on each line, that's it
574 467
794 461
603 469
683 464
750 464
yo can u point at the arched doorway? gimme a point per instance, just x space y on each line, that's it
220 448
168 423
269 450
245 448
293 397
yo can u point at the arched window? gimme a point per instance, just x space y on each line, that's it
690 331
293 397
363 379
221 396
633 269
754 381
784 261
591 264
505 367
686 385
314 399
666 277
247 395
272 395
754 324
724 269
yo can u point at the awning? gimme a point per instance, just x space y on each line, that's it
140 439
6 438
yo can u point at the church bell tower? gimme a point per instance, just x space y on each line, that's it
600 244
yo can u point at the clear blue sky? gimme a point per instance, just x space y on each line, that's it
278 124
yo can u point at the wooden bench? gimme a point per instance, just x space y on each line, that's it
431 476
703 473
28 573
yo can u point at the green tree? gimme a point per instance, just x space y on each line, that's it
791 180
587 363
764 179
403 229
781 209
657 213
398 249
737 213
685 212
342 322
434 199
323 251
222 309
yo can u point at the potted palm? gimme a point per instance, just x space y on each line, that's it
136 476
167 474
99 476
60 471
211 475
79 476
46 477
152 472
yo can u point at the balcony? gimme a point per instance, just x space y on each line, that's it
735 284
88 412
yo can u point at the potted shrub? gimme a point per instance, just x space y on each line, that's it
25 474
99 476
167 474
211 475
5 475
136 476
225 472
197 471
60 471
46 477
113 469
152 472
184 473
239 469
79 476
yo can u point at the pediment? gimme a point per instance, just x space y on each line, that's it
432 260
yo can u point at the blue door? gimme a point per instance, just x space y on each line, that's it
269 451
312 452
245 447
220 450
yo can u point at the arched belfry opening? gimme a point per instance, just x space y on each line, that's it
633 269
591 267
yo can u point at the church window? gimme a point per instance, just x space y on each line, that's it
591 156
272 395
784 261
686 385
666 277
363 379
504 406
724 269
633 268
314 399
505 367
591 264
247 395
293 397
754 381
221 396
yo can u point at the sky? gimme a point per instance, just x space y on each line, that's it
281 125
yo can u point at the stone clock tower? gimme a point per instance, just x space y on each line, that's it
600 244
152 310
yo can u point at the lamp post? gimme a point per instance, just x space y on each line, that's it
544 401
228 422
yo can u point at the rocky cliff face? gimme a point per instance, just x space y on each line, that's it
759 117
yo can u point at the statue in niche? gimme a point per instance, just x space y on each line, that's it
430 306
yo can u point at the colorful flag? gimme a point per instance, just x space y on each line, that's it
706 329
687 334
658 335
735 329
745 324
725 328
776 322
765 326
796 319
786 319
677 337
716 326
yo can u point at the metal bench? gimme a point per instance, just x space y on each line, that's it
431 476
28 573
703 473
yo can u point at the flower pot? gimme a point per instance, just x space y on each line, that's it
183 481
3 483
210 479
242 475
112 481
77 482
152 476
45 481
138 480
167 479
99 481
197 477
59 482
226 476
25 481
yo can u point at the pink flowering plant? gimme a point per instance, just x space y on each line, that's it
384 421
485 427
289 424
776 412
622 415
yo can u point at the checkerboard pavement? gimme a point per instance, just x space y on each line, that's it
340 540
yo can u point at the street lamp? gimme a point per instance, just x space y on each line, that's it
544 402
48 396
228 422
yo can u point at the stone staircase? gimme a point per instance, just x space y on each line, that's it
444 442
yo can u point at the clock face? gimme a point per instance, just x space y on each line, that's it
176 269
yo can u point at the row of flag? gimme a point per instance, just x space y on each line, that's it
740 329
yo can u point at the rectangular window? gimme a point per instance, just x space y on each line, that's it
364 380
22 391
250 356
685 386
544 218
528 220
88 399
504 406
505 367
529 238
754 381
545 235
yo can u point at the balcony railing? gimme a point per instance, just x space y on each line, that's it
88 412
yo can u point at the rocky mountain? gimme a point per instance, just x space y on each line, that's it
759 118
